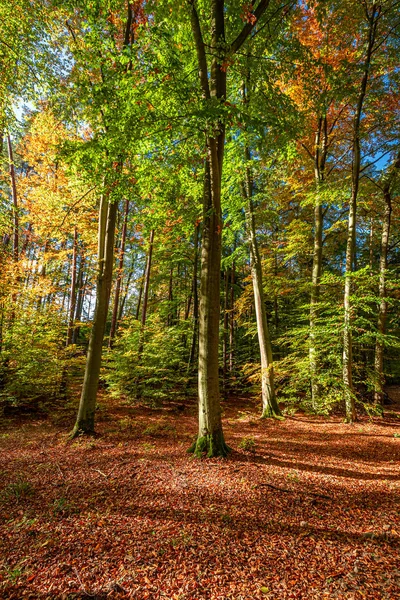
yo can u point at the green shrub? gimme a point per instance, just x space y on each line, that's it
248 444
158 372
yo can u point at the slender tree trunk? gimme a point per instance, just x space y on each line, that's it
119 276
226 325
72 303
146 287
195 292
270 407
107 219
382 314
139 302
171 317
14 200
371 247
321 148
232 321
351 235
80 300
124 295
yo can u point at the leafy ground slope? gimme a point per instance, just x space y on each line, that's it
310 510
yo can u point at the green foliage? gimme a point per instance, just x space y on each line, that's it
248 444
33 359
19 490
149 364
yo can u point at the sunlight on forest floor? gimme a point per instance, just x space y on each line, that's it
304 508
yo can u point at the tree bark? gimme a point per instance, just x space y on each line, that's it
226 325
14 197
80 299
382 313
146 287
72 303
213 86
351 235
383 305
232 322
195 292
270 407
320 153
118 283
107 219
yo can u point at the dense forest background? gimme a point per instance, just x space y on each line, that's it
207 190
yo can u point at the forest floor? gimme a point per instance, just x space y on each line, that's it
310 510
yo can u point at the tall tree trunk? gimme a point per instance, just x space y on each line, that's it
146 287
119 276
382 314
373 18
226 325
320 153
383 306
14 200
72 302
210 437
124 295
232 321
270 407
80 300
195 292
139 302
107 219
213 85
171 317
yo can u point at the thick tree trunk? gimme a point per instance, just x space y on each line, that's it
72 303
351 235
118 283
210 438
107 219
213 85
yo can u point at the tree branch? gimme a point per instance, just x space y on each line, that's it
200 49
243 35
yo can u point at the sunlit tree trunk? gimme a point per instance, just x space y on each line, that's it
226 325
270 407
106 235
14 200
321 147
114 318
232 321
146 286
124 295
195 293
383 305
82 284
72 303
373 17
382 313
213 86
